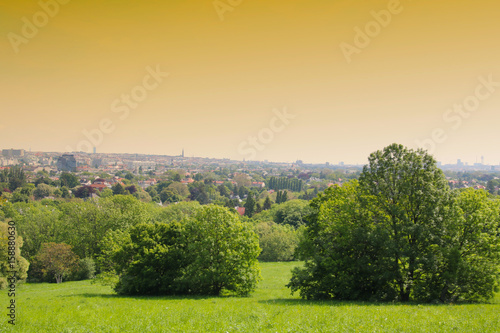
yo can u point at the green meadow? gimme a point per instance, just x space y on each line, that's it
85 307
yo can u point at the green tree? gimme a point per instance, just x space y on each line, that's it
250 206
278 242
176 177
158 252
65 193
343 250
16 177
143 196
180 189
400 234
118 189
223 253
42 191
69 180
22 194
169 196
469 252
208 253
10 256
292 212
36 224
412 191
106 193
267 203
490 187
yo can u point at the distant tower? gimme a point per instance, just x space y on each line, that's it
182 152
482 160
95 149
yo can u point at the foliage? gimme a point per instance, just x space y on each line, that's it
36 223
169 196
43 190
284 183
292 212
176 212
180 189
56 260
267 204
250 205
400 234
16 177
84 270
223 253
209 253
118 189
278 242
468 258
281 197
153 261
69 180
10 254
22 194
84 192
106 193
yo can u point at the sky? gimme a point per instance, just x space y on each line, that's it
315 80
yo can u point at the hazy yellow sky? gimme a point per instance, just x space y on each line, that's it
355 75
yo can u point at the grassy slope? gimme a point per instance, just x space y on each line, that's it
82 307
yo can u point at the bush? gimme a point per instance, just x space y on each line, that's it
210 253
85 270
278 242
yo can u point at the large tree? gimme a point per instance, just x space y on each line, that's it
412 192
400 234
223 253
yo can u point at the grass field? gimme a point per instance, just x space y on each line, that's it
84 307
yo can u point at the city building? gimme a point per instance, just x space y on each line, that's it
13 152
66 162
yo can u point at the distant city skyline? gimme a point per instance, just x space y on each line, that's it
336 162
321 81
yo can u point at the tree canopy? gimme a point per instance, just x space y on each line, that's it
208 253
400 233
